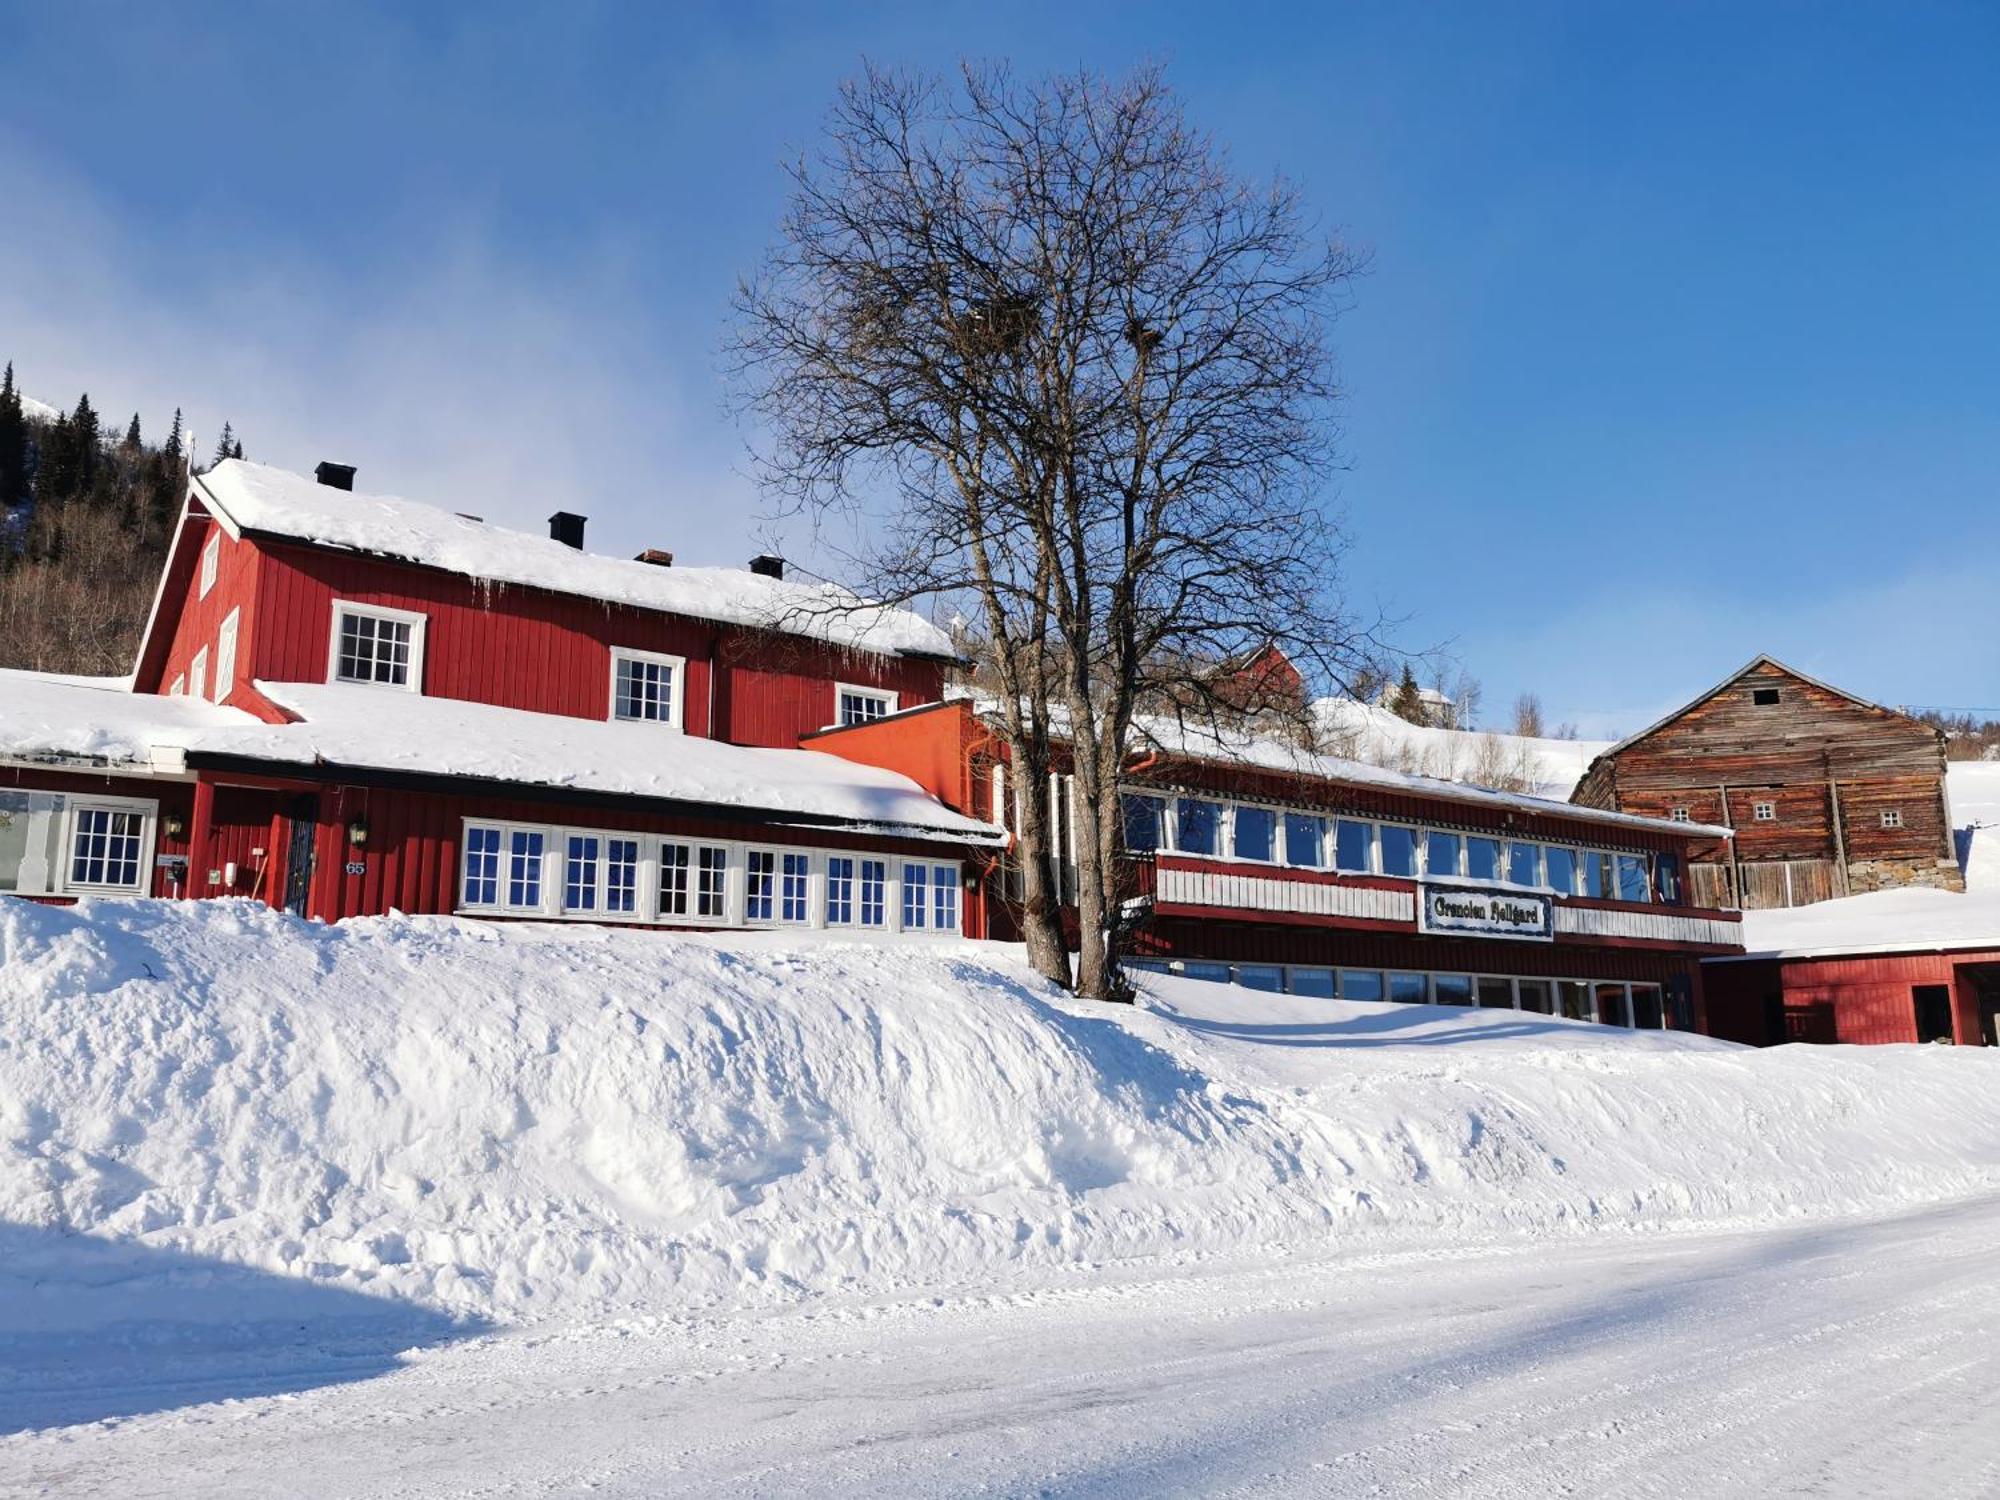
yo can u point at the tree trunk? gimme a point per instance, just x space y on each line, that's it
1041 895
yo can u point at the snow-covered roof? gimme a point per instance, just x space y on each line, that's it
1910 920
100 721
1222 746
275 502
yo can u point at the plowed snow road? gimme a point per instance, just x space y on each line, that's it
1849 1359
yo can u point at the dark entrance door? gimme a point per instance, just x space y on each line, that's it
1933 1003
302 821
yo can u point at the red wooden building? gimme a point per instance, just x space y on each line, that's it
1270 867
347 704
1901 966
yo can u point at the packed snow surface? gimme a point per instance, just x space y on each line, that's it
257 497
514 1122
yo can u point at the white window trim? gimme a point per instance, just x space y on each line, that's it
555 850
887 698
198 674
179 688
211 556
678 664
149 821
225 654
417 622
1892 817
1763 812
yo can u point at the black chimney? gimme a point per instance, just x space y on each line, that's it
335 476
567 529
764 565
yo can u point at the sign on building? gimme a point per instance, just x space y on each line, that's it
1474 911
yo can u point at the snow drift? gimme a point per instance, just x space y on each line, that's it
520 1122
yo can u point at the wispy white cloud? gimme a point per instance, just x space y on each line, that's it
468 380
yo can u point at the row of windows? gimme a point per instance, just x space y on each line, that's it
530 870
195 681
1767 812
1363 846
54 844
382 647
1612 1002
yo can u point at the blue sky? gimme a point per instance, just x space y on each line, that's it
1681 339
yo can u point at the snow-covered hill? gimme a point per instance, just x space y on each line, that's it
521 1122
1543 767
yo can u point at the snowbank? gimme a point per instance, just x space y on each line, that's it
516 1122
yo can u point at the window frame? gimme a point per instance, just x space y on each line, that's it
1892 818
1764 812
888 698
226 641
198 674
677 694
419 628
211 564
148 812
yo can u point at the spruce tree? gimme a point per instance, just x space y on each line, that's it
132 433
84 436
1407 702
13 445
237 452
223 447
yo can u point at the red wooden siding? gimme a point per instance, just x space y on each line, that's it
196 621
174 797
1862 998
551 653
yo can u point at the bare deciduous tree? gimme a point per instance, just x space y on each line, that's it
1528 716
1059 361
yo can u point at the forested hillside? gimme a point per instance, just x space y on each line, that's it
85 515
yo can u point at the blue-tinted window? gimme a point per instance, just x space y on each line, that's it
1353 845
839 890
1261 977
1410 989
916 896
1145 820
1560 872
482 866
1524 863
1398 848
874 888
580 874
1360 984
1596 873
1441 855
621 875
760 885
1482 858
944 898
1256 833
524 869
1452 989
1667 873
1198 825
792 891
1632 882
1315 982
1305 840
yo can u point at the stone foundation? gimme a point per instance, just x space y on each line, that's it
1888 874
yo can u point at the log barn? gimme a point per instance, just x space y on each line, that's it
1828 794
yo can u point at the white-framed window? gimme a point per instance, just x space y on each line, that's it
582 853
693 881
480 885
180 687
377 646
198 674
777 887
944 898
647 687
526 848
225 656
916 897
862 705
1892 817
109 846
1678 815
1764 812
211 556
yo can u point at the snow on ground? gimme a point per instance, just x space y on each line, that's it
420 1204
1368 732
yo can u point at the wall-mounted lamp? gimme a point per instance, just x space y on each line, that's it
174 826
357 831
